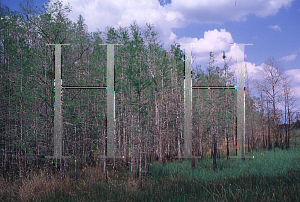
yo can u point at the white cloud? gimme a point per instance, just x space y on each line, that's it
275 27
213 40
294 75
289 58
296 90
254 71
172 37
99 14
207 11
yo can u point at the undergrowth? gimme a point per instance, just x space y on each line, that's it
269 176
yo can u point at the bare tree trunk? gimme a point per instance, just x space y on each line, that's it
288 132
248 144
285 119
226 128
287 113
61 167
269 135
178 135
168 135
158 132
275 120
21 132
140 167
105 140
226 111
201 143
145 146
47 132
262 122
215 154
160 127
104 159
125 146
75 153
132 165
214 132
193 164
252 131
235 129
140 148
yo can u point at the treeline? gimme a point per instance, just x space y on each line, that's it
149 96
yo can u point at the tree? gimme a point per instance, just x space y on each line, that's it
272 86
262 120
288 105
212 80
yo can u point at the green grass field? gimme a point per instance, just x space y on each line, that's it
269 176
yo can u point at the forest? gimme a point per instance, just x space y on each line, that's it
149 118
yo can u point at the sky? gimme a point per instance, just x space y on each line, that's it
272 26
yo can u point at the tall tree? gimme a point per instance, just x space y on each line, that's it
272 86
288 105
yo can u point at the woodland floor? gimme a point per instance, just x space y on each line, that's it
269 176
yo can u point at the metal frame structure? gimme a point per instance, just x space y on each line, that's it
110 103
187 102
240 101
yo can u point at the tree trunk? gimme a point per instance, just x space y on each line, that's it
21 132
215 154
288 131
275 120
145 153
160 127
140 147
214 132
140 169
234 134
75 165
178 134
262 122
248 145
193 164
104 159
252 130
269 127
132 165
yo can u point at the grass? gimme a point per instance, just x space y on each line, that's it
270 176
265 163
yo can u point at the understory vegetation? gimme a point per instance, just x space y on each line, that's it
269 176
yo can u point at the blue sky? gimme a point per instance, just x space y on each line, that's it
271 25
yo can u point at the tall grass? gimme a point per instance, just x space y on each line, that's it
270 176
268 163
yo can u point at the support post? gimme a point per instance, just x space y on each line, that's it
240 101
110 111
240 48
110 102
57 105
188 104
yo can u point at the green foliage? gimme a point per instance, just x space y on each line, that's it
242 181
264 163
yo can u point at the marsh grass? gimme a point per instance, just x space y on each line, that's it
268 163
270 176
